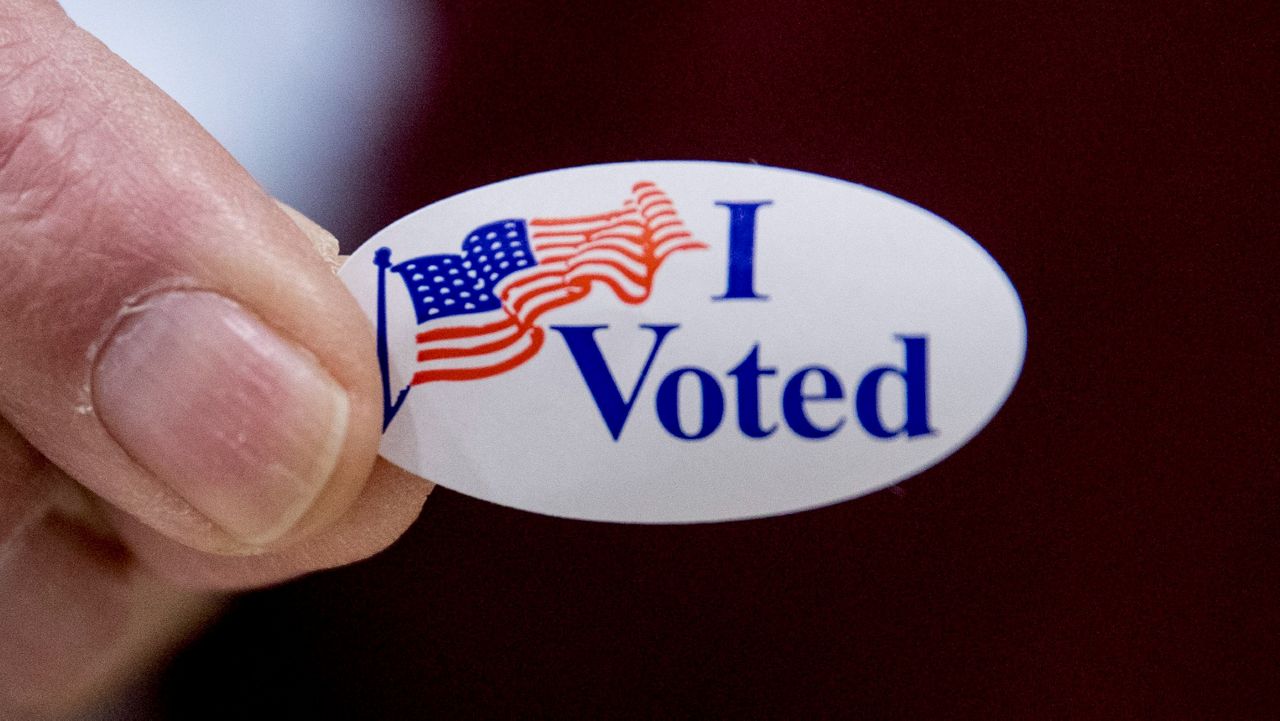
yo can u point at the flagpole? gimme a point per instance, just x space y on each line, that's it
382 259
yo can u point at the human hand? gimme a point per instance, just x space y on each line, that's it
189 401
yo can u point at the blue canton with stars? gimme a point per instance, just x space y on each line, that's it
461 284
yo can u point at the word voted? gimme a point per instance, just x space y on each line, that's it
795 400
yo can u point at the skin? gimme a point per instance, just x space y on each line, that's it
112 200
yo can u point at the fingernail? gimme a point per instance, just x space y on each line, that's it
242 424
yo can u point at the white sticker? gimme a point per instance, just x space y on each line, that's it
682 341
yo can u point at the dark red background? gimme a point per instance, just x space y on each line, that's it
1106 548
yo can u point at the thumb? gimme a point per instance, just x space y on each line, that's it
168 336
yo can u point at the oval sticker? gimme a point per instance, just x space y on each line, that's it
682 341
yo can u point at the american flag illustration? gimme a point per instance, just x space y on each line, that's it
477 310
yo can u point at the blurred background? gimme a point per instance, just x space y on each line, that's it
1106 548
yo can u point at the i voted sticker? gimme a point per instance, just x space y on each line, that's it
682 341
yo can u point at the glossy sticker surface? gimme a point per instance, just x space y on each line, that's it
682 341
